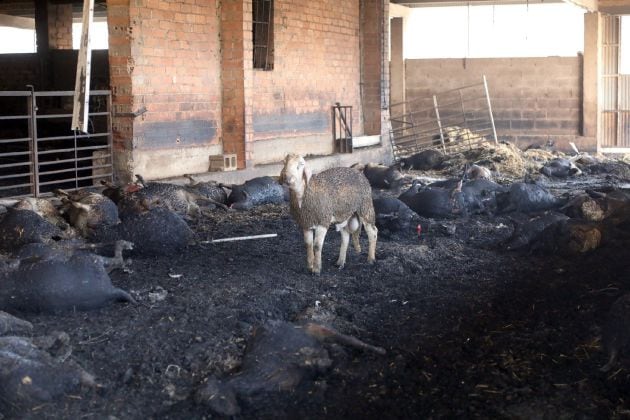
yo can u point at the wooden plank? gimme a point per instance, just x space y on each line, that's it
82 82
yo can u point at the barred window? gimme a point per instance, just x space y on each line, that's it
263 34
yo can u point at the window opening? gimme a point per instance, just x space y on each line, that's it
263 34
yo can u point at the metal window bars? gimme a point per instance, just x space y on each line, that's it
451 121
38 150
262 28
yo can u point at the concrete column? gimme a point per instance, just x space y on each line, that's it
397 67
41 26
397 64
592 70
41 35
372 57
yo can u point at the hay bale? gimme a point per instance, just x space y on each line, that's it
502 158
534 159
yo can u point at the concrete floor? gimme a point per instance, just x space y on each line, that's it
379 154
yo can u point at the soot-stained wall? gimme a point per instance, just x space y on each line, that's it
316 63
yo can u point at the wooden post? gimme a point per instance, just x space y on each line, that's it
82 83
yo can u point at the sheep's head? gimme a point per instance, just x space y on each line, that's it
294 172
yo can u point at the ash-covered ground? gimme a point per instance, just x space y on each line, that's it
469 328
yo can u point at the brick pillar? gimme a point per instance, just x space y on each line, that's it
60 26
248 82
120 69
372 63
233 27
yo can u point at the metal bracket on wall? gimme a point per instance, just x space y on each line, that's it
140 111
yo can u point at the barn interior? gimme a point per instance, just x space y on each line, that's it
499 129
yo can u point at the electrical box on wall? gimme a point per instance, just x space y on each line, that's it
224 162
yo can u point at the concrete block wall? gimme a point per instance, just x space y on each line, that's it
534 100
316 63
60 26
167 59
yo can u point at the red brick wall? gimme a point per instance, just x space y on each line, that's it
120 68
175 71
316 63
165 56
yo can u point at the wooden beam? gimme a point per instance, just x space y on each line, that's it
17 22
82 81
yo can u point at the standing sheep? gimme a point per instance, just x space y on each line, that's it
339 195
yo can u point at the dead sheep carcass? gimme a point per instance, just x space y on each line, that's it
338 195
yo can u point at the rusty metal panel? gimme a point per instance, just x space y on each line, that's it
609 129
614 88
624 92
623 129
609 93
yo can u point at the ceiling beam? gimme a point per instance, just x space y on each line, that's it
590 5
615 7
17 22
445 3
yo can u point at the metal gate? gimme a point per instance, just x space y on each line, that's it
451 121
38 150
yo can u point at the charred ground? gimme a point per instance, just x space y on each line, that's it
470 329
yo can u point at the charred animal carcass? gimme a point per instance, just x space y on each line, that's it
53 281
87 210
255 192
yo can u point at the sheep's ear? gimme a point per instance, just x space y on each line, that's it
306 174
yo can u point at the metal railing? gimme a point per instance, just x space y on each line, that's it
342 128
452 121
38 150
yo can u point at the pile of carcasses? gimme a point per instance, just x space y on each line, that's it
57 254
576 221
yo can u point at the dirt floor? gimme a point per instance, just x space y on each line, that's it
471 330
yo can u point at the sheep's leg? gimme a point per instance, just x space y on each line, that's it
372 233
308 242
343 250
318 244
356 233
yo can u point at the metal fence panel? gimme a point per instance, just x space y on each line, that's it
452 121
38 150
